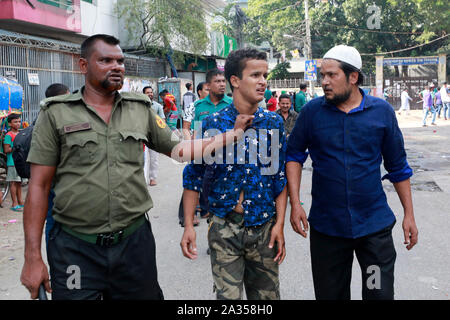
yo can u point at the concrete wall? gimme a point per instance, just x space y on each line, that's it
99 17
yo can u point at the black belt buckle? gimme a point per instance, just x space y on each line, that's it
108 239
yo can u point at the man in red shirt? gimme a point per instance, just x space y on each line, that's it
170 108
272 103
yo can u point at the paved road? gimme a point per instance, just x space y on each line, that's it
420 274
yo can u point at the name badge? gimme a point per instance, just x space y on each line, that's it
77 127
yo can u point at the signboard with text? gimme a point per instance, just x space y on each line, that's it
310 70
410 61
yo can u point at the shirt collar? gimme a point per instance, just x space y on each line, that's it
225 99
233 113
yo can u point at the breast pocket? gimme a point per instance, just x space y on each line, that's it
131 147
82 147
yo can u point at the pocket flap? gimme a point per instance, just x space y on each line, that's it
80 138
132 134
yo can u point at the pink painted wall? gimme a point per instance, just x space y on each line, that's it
43 14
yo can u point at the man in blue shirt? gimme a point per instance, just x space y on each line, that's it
348 134
248 194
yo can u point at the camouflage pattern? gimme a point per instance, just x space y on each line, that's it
241 256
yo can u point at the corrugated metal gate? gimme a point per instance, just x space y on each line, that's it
55 62
51 67
394 87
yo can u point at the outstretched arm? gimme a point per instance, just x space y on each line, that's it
188 150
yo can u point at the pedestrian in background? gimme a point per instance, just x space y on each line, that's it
151 159
405 98
428 108
445 100
289 116
11 175
300 98
438 102
273 102
188 117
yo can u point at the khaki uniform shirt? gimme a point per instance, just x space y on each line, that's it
99 180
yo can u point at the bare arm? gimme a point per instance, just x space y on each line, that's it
278 229
188 243
410 231
187 130
298 214
34 271
7 148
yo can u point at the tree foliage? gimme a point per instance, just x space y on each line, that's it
402 24
165 24
280 71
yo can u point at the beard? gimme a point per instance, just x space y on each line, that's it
106 84
339 98
219 96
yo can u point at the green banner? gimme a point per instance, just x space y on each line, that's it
223 44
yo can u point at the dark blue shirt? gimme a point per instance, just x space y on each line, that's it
346 152
255 165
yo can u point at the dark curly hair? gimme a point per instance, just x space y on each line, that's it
236 61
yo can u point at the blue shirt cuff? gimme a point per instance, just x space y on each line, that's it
398 176
297 157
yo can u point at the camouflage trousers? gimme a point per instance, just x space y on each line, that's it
240 256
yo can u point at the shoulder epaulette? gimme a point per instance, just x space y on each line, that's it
46 103
133 96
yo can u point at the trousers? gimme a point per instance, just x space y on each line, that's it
83 271
332 259
240 256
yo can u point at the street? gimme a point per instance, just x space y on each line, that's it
421 273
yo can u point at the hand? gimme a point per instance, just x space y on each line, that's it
34 273
243 121
410 232
277 235
188 244
298 214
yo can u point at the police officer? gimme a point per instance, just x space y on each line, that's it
90 143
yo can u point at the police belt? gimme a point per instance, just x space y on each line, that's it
106 239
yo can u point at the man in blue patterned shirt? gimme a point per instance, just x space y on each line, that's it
348 134
248 195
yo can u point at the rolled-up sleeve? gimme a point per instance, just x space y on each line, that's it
298 140
394 154
193 177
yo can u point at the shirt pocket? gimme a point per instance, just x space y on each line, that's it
131 148
82 147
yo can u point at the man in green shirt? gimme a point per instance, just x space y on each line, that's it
215 101
91 145
267 94
300 98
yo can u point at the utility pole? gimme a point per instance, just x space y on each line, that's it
308 47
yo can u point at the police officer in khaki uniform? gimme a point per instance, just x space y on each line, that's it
90 144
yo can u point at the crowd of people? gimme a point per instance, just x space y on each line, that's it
97 151
434 101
